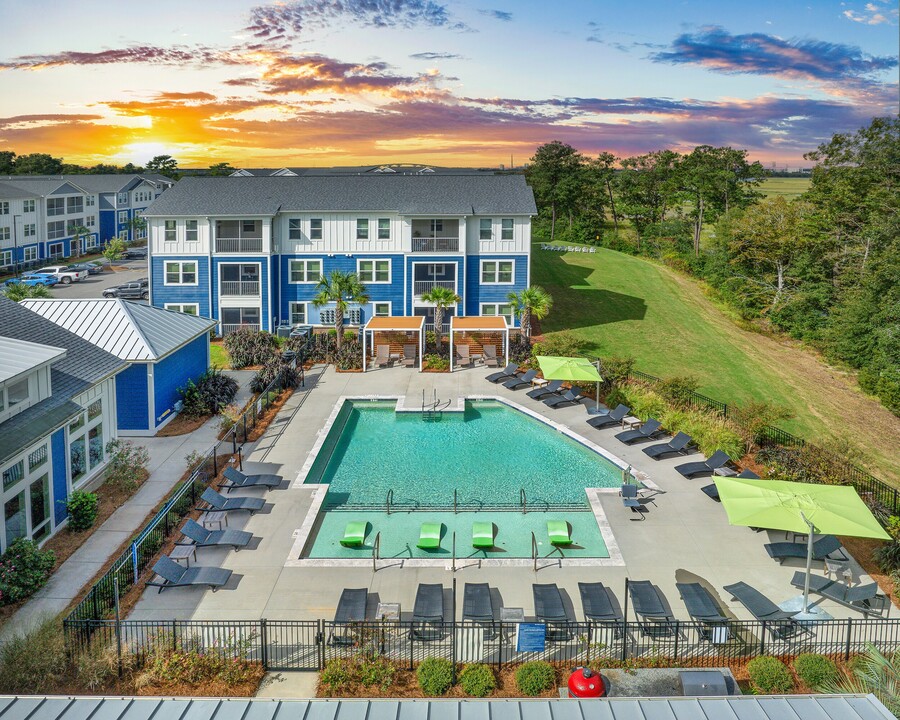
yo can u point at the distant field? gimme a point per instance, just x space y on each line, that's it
788 188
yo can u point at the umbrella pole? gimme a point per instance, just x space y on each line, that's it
809 557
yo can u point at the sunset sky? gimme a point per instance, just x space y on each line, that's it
331 82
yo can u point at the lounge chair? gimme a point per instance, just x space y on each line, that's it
521 380
409 355
351 609
719 459
644 432
551 388
463 359
218 502
478 606
822 548
172 574
558 531
572 395
648 604
596 604
712 491
549 609
779 621
430 536
613 417
236 479
489 355
483 535
864 598
382 356
355 534
505 374
201 537
428 613
677 445
701 607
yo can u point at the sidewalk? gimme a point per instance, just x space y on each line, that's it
167 465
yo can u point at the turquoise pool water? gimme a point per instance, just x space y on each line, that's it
487 454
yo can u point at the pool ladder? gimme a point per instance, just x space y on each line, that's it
431 412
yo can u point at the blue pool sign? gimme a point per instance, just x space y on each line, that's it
531 637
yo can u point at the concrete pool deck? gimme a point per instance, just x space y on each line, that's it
684 537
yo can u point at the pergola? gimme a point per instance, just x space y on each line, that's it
399 324
485 323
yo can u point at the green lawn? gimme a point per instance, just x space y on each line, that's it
218 356
789 188
625 305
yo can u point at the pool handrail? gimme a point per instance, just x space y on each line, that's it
534 549
389 500
523 499
376 550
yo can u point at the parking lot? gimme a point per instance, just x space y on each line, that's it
94 285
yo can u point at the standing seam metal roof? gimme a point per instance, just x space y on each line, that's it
20 356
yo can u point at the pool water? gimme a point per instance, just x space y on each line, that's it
488 454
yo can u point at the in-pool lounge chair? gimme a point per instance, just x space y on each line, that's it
172 575
707 467
864 598
463 359
483 535
778 621
489 355
520 380
558 530
430 536
650 608
596 604
505 374
712 491
824 547
201 537
428 612
355 534
570 396
676 446
613 417
646 431
218 502
236 479
551 388
701 607
351 609
409 355
549 609
382 356
478 607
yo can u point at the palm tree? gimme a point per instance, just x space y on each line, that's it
78 232
532 302
873 673
340 288
17 292
442 298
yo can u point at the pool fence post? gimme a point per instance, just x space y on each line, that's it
453 624
625 624
453 567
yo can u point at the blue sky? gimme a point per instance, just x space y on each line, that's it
324 82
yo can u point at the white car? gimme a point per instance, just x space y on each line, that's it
65 274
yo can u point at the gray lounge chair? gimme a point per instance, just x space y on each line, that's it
655 620
218 502
701 607
428 613
677 446
551 388
613 417
351 609
644 432
570 396
864 598
409 355
719 459
521 380
779 622
478 607
712 491
489 355
507 373
549 609
596 604
629 494
824 547
463 359
382 356
236 479
201 537
172 575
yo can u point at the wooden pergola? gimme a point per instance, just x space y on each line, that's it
399 324
495 324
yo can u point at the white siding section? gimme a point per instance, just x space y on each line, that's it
339 234
520 243
158 245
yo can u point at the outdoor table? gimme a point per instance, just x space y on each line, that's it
632 422
840 569
539 382
509 615
389 612
725 472
184 552
215 518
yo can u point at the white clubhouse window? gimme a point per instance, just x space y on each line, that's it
181 273
485 229
186 308
384 229
506 229
501 309
362 228
305 271
298 313
381 309
190 231
295 229
497 272
171 231
374 271
315 229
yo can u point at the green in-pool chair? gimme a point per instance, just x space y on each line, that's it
558 530
354 534
483 535
429 536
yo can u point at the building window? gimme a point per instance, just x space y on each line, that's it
305 271
39 493
190 231
77 459
295 229
95 409
298 313
74 205
90 221
91 242
123 235
181 273
497 272
171 229
14 518
506 229
485 229
54 250
502 309
17 393
76 424
248 226
29 230
31 253
384 229
56 229
89 201
315 229
6 258
374 271
28 206
362 229
4 207
13 474
5 233
37 458
123 217
437 226
56 206
122 198
95 445
186 308
381 309
233 318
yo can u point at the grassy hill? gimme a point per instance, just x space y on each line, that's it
623 305
789 188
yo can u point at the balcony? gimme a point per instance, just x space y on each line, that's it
435 244
421 287
239 288
239 245
226 329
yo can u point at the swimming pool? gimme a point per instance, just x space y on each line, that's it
488 454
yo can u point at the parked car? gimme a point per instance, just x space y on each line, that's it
135 253
33 279
64 273
93 268
128 291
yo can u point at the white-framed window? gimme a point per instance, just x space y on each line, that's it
91 241
6 259
506 229
437 226
56 229
17 392
142 196
298 313
54 249
186 308
384 228
315 229
170 233
248 226
90 221
28 206
89 201
123 235
374 271
486 229
56 206
29 230
5 233
295 229
13 474
362 228
190 231
123 217
122 198
497 272
30 253
74 205
37 458
381 309
501 309
4 207
305 271
181 272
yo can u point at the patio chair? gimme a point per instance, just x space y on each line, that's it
596 604
382 356
505 374
612 417
218 502
355 534
779 622
864 598
172 575
629 495
236 479
201 537
712 492
824 547
351 608
428 613
558 531
645 432
483 535
520 381
650 608
571 396
701 607
462 355
478 607
677 446
489 355
719 459
551 388
409 355
549 609
430 536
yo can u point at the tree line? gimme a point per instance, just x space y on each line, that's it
823 268
46 164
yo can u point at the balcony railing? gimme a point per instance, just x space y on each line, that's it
240 288
435 244
239 245
423 286
226 329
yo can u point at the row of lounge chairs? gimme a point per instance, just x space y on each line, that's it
568 248
552 394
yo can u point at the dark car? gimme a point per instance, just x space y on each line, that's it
92 268
135 253
128 291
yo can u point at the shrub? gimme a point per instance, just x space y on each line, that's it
616 370
769 675
98 664
222 664
265 376
435 676
436 362
815 670
229 417
24 569
644 402
128 462
752 418
477 680
534 678
563 343
375 672
349 357
337 675
678 390
82 508
888 556
519 349
249 347
212 392
34 662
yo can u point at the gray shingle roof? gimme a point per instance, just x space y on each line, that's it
10 192
406 194
129 330
41 185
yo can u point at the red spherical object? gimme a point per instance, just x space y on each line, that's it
584 683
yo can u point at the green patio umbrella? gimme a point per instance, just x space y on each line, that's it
572 369
798 507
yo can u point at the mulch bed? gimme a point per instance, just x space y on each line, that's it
182 425
264 420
